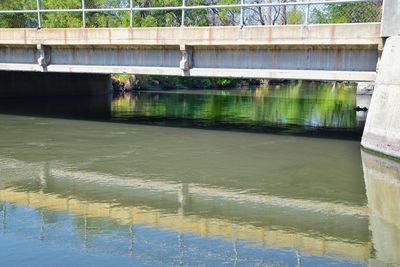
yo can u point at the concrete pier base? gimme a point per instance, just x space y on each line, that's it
21 84
382 129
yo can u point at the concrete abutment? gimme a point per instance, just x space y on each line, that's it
16 84
382 129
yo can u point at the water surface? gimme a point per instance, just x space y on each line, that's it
122 189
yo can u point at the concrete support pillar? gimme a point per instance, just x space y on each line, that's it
21 84
390 25
382 129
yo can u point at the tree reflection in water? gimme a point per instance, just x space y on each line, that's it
295 107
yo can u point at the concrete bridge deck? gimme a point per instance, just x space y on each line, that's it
317 52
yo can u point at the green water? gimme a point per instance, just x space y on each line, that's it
145 179
294 108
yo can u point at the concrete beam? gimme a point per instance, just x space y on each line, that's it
382 129
209 72
356 63
324 34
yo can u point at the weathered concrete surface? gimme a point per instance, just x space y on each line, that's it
65 58
382 181
315 52
391 18
14 84
365 88
382 129
324 34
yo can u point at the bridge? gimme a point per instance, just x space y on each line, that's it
347 52
309 51
317 52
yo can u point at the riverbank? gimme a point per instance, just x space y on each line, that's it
126 82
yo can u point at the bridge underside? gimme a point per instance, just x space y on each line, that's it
315 52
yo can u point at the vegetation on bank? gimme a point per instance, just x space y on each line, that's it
125 82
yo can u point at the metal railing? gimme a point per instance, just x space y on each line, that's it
303 9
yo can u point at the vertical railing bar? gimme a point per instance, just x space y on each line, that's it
270 11
306 20
183 13
241 13
83 14
131 13
38 14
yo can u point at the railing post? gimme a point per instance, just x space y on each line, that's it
131 14
83 14
241 13
307 15
183 12
38 14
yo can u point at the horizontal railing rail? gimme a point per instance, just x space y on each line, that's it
242 6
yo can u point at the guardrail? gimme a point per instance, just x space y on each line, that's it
265 13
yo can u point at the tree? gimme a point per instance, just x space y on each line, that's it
171 18
17 20
348 13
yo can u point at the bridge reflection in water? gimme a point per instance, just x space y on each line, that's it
382 180
43 187
185 209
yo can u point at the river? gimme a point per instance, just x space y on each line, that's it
265 177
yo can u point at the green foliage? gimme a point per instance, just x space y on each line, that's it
144 82
223 82
226 16
334 13
122 78
68 20
295 17
165 18
118 18
17 20
347 13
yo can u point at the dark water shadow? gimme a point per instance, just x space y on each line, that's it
320 113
